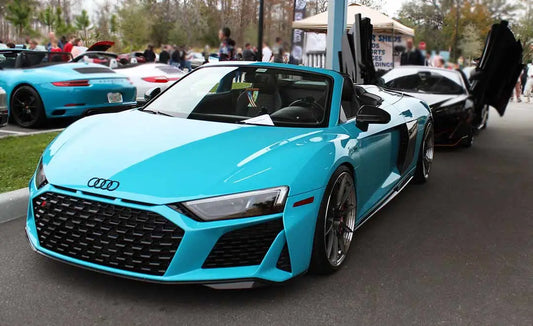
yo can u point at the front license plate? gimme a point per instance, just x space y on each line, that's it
114 97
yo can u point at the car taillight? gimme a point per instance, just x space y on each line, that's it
72 83
156 79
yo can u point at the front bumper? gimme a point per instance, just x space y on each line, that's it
451 127
201 240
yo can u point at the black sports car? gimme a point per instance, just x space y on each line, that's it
461 107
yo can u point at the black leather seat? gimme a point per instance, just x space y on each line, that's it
268 99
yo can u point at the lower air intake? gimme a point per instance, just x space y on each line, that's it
244 247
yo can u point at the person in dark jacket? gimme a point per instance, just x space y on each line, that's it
248 54
149 54
412 55
164 56
226 51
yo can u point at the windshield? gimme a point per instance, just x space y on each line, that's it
416 80
249 94
31 59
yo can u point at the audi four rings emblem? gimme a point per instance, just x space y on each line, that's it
103 184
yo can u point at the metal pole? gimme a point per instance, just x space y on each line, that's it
260 31
336 28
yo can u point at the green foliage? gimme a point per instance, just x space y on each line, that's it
471 43
19 13
133 25
82 22
47 17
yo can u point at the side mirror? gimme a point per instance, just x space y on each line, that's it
151 93
372 114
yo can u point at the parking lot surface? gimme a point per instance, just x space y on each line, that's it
456 251
54 125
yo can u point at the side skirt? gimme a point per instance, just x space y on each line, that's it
385 200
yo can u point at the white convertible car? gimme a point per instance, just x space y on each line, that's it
143 75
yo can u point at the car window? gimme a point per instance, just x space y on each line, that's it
240 93
424 81
7 60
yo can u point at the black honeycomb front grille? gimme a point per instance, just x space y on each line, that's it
244 247
106 234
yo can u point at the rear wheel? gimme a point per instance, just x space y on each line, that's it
425 155
27 107
335 223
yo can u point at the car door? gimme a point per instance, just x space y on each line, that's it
375 149
498 69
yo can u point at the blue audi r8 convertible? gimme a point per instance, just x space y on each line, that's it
228 183
40 86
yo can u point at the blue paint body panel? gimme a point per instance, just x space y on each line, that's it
55 98
162 160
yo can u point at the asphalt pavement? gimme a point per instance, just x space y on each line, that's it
52 125
456 251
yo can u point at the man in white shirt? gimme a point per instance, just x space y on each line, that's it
267 53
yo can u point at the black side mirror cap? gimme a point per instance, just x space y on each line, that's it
151 93
372 114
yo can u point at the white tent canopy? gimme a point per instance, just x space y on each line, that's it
382 23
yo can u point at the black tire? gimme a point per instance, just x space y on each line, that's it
329 227
27 107
425 155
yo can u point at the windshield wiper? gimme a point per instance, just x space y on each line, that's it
157 112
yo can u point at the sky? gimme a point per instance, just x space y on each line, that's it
390 7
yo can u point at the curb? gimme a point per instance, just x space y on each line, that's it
13 204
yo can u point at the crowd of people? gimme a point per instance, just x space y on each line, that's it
71 44
181 56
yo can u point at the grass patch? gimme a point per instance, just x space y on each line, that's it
19 157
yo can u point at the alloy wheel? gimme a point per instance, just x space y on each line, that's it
340 219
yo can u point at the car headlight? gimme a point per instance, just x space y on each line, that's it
451 109
247 204
40 177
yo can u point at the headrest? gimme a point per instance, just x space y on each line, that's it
265 82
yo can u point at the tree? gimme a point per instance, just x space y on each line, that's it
82 22
471 43
501 9
19 13
47 18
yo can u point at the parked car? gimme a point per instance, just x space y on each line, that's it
143 76
41 85
132 57
229 184
459 107
150 75
197 59
3 108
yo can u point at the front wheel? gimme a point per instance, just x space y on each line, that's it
425 155
335 223
27 107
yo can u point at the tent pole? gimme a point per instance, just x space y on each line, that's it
260 31
336 28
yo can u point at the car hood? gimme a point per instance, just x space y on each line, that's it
159 159
439 100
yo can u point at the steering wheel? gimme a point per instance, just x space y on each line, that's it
310 102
